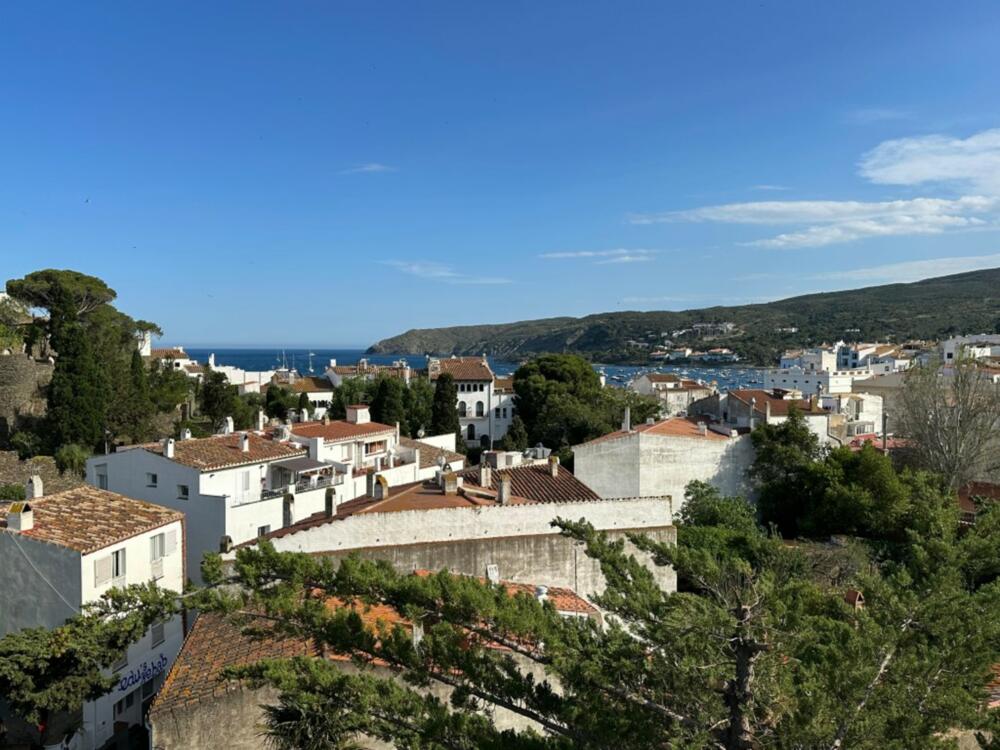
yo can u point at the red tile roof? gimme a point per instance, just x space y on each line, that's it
465 368
337 430
535 483
311 384
682 427
223 451
429 453
503 384
779 406
173 353
86 519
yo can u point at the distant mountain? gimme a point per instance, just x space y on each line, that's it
928 309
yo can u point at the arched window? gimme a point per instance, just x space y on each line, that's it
479 409
471 432
462 410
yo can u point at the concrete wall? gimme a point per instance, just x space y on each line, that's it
648 465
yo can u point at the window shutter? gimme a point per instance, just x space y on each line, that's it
171 542
102 570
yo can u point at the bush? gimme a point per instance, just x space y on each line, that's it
12 492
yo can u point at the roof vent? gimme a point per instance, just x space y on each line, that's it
245 443
541 593
34 488
186 433
20 516
227 426
503 490
553 466
168 448
261 420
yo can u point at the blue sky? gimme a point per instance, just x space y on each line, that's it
327 173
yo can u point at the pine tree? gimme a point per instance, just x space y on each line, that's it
516 438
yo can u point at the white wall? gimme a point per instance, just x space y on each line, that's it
650 465
409 527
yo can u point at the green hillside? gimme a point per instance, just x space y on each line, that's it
928 309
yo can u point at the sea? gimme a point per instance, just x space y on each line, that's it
315 360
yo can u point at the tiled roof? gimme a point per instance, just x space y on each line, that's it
173 353
223 451
86 519
429 453
194 368
213 645
973 491
503 384
339 429
466 368
779 406
683 427
311 384
534 482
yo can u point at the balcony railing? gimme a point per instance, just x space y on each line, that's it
303 485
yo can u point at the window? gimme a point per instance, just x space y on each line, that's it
121 663
119 707
471 432
150 480
378 446
479 409
462 409
157 633
118 563
505 412
102 476
496 412
183 492
157 547
461 387
263 530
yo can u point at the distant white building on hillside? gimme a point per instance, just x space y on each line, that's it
978 346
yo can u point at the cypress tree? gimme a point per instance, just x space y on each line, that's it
444 412
140 401
389 406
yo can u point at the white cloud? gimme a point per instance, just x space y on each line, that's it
869 115
370 168
770 188
915 270
440 272
604 257
969 163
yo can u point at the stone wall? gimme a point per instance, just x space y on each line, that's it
15 471
22 390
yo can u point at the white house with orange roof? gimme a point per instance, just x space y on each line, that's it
61 551
661 458
485 407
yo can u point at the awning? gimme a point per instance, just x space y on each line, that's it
299 465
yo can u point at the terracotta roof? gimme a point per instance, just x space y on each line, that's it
466 368
311 384
194 368
223 451
339 429
779 406
534 482
973 491
213 645
682 427
503 384
429 453
172 353
86 519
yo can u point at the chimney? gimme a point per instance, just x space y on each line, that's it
226 544
186 434
304 416
553 466
168 448
326 418
702 428
329 503
261 420
34 489
503 490
541 593
485 474
627 421
20 517
450 480
227 426
245 443
358 414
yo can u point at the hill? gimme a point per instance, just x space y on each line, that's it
928 309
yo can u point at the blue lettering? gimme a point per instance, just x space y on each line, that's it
143 673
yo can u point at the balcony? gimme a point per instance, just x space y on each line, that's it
303 484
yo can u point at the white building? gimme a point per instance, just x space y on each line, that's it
813 381
978 346
675 393
661 458
366 370
484 410
61 551
818 358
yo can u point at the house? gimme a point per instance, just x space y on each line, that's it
232 485
977 346
662 457
198 709
816 359
173 357
63 550
744 409
319 390
813 381
675 393
366 370
484 412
